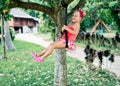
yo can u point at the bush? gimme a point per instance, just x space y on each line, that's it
12 33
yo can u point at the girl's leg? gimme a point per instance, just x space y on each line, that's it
55 45
45 50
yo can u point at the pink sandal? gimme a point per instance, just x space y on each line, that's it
38 59
34 55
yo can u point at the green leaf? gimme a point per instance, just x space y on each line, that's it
3 5
119 15
111 4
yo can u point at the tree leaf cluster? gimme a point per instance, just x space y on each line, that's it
107 10
4 6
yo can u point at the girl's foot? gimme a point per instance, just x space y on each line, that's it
38 59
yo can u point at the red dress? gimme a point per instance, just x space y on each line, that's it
71 39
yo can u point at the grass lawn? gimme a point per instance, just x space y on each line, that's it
21 70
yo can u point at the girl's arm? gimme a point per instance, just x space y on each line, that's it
74 31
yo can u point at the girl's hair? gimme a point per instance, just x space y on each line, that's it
82 13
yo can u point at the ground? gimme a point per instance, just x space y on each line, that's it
78 53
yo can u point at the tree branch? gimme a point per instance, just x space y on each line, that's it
51 11
68 1
59 6
30 5
80 4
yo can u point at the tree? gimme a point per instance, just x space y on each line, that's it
106 10
115 11
6 38
54 9
2 37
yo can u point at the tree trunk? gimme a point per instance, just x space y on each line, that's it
8 41
3 38
60 75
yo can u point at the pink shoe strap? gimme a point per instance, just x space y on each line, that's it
34 54
37 59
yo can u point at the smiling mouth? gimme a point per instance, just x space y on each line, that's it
73 18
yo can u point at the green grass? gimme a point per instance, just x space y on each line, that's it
20 70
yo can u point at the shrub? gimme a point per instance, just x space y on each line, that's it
12 33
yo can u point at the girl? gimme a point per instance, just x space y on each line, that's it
72 29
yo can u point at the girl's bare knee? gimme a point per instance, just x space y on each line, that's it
52 45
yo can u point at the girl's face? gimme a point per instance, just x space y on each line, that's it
76 17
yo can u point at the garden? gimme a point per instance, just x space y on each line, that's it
99 36
21 70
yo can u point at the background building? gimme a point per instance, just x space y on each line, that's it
22 22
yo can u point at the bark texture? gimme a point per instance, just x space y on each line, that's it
3 37
8 41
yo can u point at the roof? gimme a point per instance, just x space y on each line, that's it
21 14
36 19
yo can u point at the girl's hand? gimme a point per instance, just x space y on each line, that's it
64 28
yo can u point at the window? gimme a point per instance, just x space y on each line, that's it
16 20
30 21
